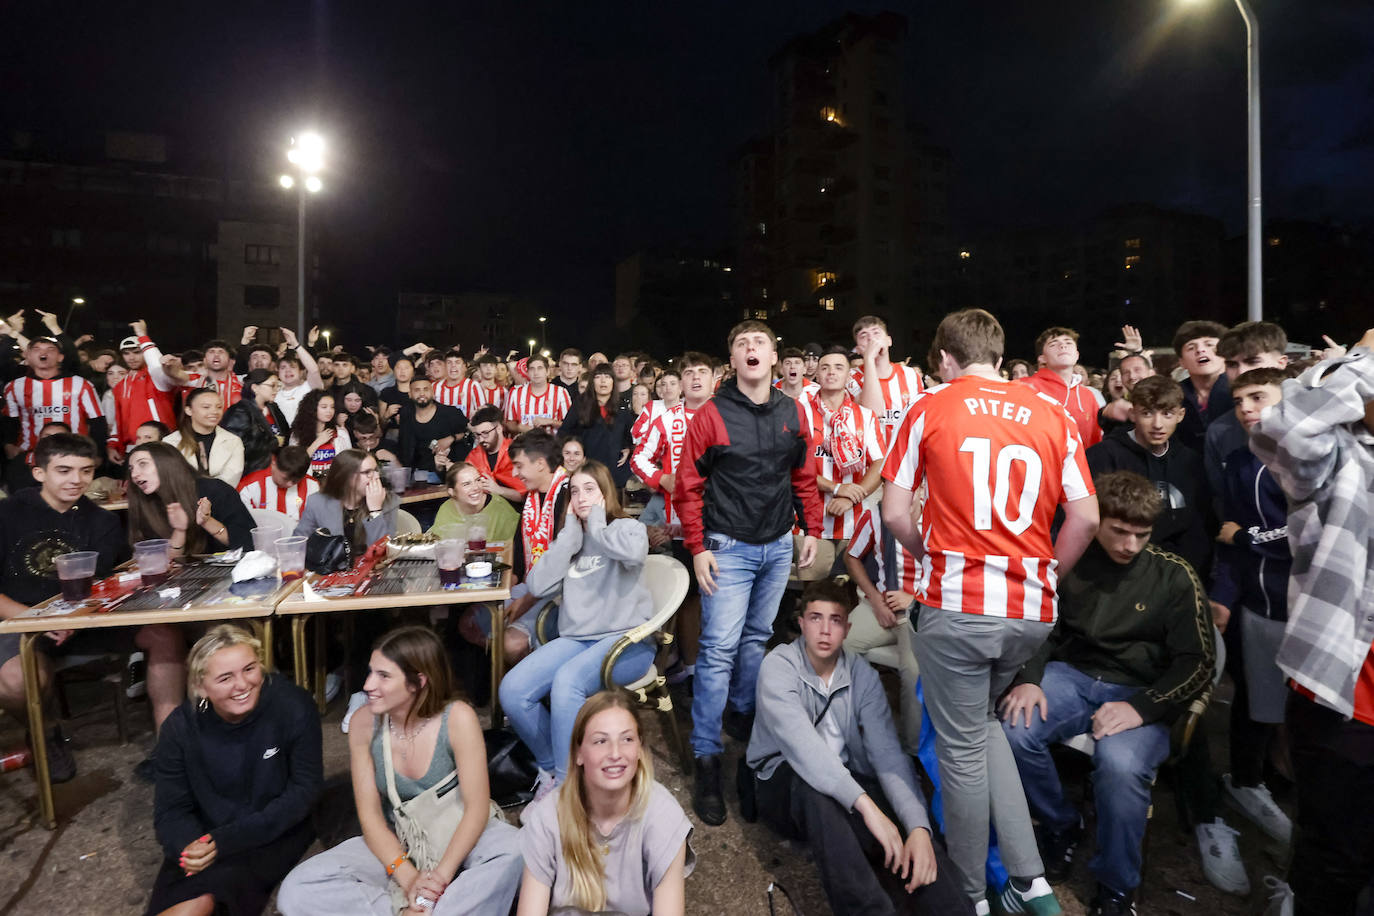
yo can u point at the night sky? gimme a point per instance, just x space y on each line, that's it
527 147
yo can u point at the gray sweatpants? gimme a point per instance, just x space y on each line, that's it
350 879
966 661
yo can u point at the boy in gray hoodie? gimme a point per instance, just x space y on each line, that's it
827 766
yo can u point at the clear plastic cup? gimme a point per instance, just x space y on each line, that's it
448 556
290 557
154 560
76 572
477 536
398 476
265 538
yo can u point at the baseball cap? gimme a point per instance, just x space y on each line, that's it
813 349
129 343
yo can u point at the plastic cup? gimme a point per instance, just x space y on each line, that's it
291 557
265 538
398 477
154 560
477 537
76 572
448 556
455 531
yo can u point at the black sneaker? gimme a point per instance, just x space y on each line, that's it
61 761
708 801
738 725
1058 848
1111 903
145 770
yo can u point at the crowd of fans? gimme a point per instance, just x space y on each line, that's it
1060 554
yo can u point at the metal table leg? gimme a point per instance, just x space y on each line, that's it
262 628
498 659
47 809
300 669
320 673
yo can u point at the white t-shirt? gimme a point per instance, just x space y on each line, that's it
289 400
829 727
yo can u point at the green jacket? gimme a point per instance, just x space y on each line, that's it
1146 624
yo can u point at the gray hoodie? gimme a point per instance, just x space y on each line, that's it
791 696
600 568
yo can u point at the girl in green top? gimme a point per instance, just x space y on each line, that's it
470 500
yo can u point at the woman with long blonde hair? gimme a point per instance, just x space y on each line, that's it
612 838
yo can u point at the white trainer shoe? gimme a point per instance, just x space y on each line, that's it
355 702
1221 862
1259 806
1279 897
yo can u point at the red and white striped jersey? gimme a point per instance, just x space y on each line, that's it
259 491
900 389
473 397
649 414
450 394
230 387
998 459
36 402
808 388
866 538
863 428
660 451
524 407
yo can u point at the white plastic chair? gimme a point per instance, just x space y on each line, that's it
407 523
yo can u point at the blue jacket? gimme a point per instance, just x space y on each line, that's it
1253 572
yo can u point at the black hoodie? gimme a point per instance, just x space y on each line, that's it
1183 525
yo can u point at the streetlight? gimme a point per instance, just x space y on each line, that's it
326 340
75 302
1255 223
531 346
543 338
306 154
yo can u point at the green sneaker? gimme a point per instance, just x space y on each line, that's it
1038 900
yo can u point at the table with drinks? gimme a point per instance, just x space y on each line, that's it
453 566
157 589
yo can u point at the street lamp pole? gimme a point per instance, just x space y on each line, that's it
1255 227
306 153
300 267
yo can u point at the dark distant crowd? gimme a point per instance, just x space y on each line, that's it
1046 558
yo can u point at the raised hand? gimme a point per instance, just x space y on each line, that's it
1131 341
249 332
313 335
290 336
139 327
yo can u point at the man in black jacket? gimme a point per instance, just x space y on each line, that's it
744 479
1132 648
1150 447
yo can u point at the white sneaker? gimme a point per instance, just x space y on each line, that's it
333 683
982 908
1279 896
544 784
356 702
1258 805
1221 862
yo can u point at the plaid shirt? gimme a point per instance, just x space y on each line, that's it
1315 444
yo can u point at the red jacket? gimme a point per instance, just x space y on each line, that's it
143 396
504 473
1077 400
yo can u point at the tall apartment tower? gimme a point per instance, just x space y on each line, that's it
843 210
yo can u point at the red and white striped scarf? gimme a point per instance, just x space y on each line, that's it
536 518
845 446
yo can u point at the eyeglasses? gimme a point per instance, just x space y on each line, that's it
370 472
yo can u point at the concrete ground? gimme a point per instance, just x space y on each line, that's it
103 855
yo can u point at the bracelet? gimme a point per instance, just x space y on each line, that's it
391 869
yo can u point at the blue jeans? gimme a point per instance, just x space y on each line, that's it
1124 768
736 622
567 671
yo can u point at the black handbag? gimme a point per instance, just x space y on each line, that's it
327 553
511 769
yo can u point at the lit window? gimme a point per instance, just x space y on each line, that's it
825 277
761 314
1133 243
763 293
830 114
965 255
727 269
1275 241
763 228
784 307
1132 260
828 303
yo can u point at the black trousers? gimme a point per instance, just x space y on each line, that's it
1333 763
848 857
